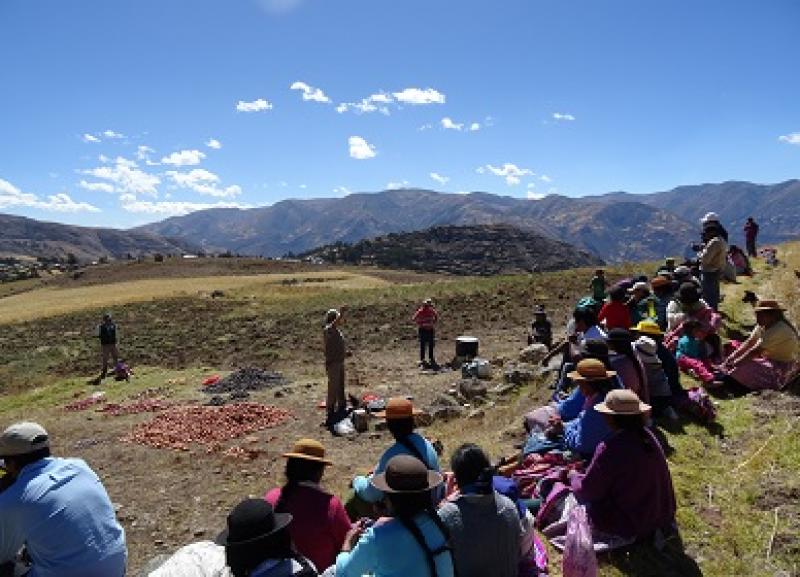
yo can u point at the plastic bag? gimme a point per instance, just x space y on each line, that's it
579 558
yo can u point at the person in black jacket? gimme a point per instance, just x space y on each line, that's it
107 333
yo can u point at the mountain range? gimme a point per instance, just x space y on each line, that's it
616 227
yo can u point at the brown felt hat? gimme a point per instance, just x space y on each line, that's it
590 370
769 305
308 450
660 282
622 402
406 474
398 408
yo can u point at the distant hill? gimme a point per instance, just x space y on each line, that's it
776 207
615 231
464 250
20 236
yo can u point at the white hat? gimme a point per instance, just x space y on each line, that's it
646 347
22 439
331 317
641 285
710 217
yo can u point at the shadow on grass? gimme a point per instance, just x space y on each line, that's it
678 427
646 559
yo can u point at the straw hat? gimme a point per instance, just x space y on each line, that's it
406 474
398 408
590 370
648 327
308 450
769 305
622 402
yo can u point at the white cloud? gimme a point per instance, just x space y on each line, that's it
343 190
360 149
439 178
96 186
130 203
474 127
342 107
448 124
377 102
89 137
562 116
310 93
11 196
425 127
792 138
214 143
126 177
545 178
253 106
113 135
397 185
510 172
184 158
204 182
143 153
533 195
419 96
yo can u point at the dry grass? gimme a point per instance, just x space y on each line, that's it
49 302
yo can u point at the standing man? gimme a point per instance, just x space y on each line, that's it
335 352
57 509
426 318
750 236
713 257
107 333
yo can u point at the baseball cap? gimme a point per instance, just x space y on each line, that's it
23 439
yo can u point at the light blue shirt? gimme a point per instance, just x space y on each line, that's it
60 511
388 549
367 491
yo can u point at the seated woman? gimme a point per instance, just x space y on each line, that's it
689 305
257 543
626 364
319 523
766 359
399 415
615 313
574 426
692 352
627 488
657 385
413 540
484 525
739 260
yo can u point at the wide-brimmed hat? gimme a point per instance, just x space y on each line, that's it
427 301
688 293
308 450
331 317
406 474
23 439
769 305
250 522
648 327
398 408
590 370
709 217
639 286
622 402
682 270
648 349
660 282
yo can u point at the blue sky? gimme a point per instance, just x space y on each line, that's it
121 112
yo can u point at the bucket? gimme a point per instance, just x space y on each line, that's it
359 418
466 347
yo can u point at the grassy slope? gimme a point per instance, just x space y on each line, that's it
728 486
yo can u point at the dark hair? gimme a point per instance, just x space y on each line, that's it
596 349
617 294
691 325
24 460
400 428
297 471
588 316
620 342
472 468
242 559
634 424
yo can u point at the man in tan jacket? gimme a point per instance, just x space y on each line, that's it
335 352
713 258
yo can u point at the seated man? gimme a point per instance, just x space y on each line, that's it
58 509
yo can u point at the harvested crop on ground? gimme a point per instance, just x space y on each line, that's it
247 379
179 427
85 403
145 405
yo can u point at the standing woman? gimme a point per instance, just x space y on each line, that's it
767 357
320 522
335 352
426 318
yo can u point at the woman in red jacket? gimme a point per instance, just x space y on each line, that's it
426 318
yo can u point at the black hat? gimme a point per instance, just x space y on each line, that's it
619 336
688 293
251 521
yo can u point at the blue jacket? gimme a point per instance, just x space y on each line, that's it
363 486
60 511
